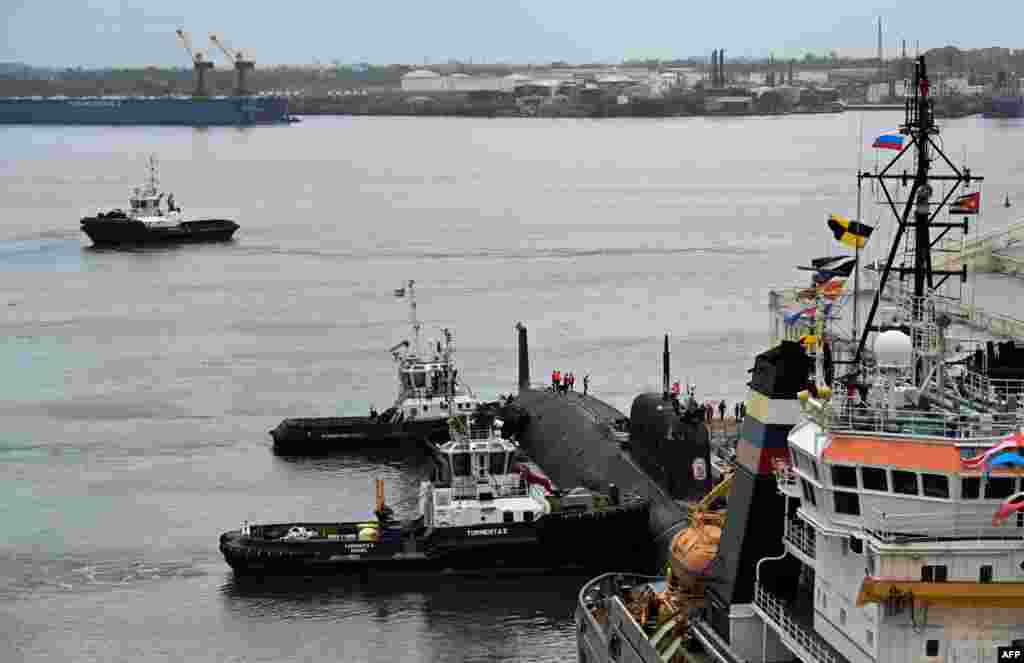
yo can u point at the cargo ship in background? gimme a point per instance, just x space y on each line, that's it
170 110
1008 106
875 517
1008 98
199 110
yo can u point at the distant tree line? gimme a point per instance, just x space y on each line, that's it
22 79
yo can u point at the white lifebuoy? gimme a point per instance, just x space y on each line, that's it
700 469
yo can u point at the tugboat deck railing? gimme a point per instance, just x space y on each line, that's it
807 646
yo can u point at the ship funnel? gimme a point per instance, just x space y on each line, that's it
524 358
665 370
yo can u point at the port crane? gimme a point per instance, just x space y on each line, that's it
199 63
242 65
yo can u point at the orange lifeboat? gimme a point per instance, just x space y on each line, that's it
694 549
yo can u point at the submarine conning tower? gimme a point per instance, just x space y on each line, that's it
578 439
669 439
754 527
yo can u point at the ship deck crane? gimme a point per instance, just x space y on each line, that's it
242 65
199 63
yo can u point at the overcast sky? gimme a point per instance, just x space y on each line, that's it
95 33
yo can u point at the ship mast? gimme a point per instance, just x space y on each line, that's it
917 218
413 320
153 181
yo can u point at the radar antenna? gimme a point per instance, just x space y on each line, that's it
917 219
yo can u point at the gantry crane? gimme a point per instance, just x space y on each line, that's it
199 63
242 65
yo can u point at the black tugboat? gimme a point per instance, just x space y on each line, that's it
487 507
146 222
429 393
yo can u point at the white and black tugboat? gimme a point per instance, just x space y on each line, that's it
148 222
487 507
430 391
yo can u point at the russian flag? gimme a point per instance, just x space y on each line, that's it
889 141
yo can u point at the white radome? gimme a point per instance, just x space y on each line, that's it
893 348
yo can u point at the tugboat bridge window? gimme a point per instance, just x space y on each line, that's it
931 648
970 488
997 488
934 573
935 485
874 478
844 476
508 516
985 573
497 462
527 516
460 465
904 483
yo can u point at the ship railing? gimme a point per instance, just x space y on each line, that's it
996 390
953 523
844 414
480 431
472 492
997 324
807 646
786 478
801 536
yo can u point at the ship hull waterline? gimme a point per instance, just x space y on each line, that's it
313 436
599 540
136 233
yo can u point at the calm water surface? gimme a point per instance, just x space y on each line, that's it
137 387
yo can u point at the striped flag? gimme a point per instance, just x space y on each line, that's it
890 140
966 204
851 233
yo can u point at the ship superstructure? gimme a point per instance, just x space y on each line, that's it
428 377
876 514
903 514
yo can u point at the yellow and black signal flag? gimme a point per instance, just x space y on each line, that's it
851 233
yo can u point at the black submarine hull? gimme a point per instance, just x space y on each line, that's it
580 440
113 231
574 438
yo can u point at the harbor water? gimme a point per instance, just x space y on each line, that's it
138 386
